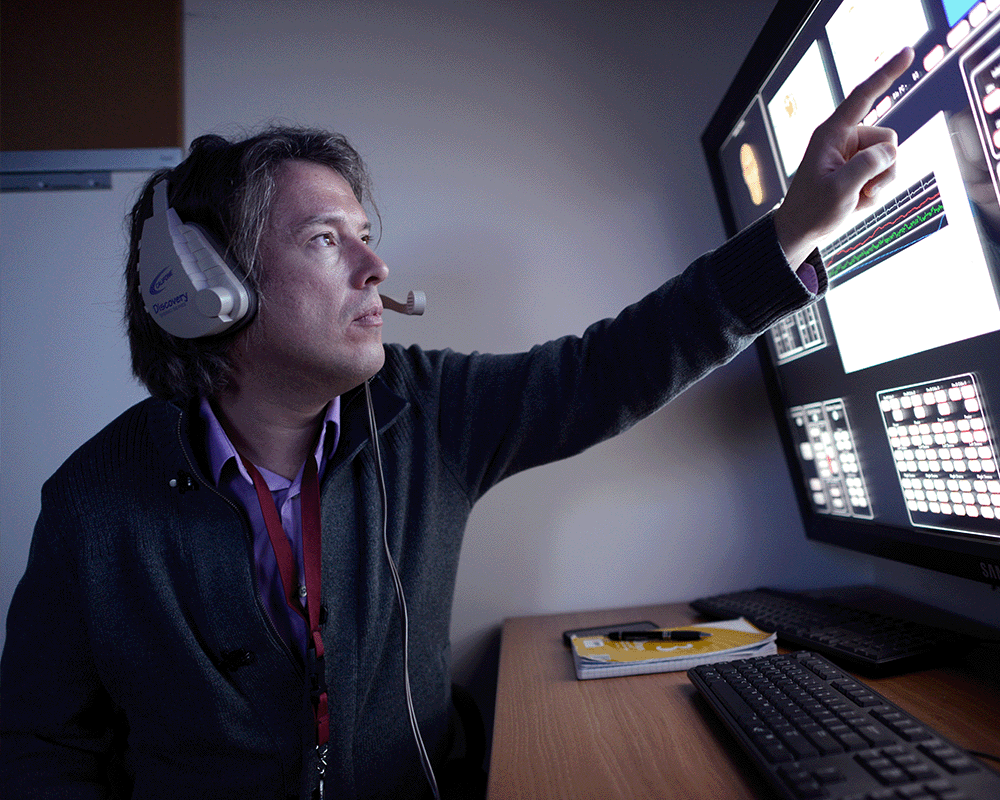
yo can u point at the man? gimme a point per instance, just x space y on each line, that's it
210 604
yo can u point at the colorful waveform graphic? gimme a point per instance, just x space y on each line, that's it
910 216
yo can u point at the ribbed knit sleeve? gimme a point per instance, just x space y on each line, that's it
756 280
497 415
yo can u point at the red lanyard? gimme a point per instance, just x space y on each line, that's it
313 577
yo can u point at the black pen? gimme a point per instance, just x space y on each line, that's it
652 636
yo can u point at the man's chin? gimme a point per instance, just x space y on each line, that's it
376 364
367 367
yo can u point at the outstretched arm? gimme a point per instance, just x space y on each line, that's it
843 169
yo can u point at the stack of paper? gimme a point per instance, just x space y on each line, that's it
599 657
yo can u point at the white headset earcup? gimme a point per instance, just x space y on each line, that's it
187 286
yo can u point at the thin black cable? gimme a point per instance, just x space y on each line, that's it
425 760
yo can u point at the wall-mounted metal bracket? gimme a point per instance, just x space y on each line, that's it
40 181
32 171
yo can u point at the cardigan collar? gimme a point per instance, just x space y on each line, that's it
186 421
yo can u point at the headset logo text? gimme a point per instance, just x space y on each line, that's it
157 284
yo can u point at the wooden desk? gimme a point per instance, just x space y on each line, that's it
647 736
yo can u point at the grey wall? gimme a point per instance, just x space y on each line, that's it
537 166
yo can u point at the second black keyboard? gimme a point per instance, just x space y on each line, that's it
875 644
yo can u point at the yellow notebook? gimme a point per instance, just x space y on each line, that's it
599 657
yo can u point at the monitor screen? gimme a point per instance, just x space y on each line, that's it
886 391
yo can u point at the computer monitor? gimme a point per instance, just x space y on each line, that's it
886 391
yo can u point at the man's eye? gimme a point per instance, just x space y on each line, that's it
325 239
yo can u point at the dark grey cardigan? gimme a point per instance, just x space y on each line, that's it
137 645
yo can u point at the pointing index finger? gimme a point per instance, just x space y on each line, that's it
853 110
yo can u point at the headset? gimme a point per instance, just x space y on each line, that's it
191 289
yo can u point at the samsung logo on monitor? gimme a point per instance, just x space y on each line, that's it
990 572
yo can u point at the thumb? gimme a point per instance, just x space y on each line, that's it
867 171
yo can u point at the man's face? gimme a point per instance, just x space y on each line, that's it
319 326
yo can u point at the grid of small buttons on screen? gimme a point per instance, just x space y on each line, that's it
798 334
941 443
829 459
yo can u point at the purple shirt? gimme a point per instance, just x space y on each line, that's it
232 479
807 274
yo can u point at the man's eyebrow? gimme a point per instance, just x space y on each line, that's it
326 219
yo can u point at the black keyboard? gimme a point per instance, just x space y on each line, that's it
866 642
816 732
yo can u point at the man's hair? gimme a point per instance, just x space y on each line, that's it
227 188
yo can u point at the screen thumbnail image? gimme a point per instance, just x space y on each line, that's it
944 454
864 34
911 275
830 460
751 170
801 103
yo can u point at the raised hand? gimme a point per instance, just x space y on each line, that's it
844 166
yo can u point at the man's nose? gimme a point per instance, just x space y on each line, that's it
369 268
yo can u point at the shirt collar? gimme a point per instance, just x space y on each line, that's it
221 450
